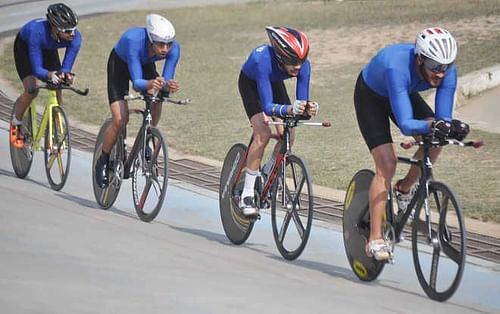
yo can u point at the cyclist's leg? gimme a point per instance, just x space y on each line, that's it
118 86
25 99
372 112
385 166
119 115
25 73
421 111
261 135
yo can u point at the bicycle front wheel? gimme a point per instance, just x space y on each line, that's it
150 176
439 249
236 225
106 197
22 158
57 152
292 204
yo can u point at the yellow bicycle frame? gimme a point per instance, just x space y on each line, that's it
38 130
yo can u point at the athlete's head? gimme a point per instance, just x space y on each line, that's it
159 29
436 51
62 17
437 47
290 46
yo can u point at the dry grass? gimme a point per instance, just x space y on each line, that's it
344 35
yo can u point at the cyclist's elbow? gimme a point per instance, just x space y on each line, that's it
406 129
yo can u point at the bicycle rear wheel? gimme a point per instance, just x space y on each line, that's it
150 176
439 257
22 158
57 152
236 225
356 226
106 197
292 201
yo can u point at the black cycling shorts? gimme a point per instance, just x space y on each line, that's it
119 76
373 112
250 94
50 58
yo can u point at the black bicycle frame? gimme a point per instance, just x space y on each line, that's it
141 135
425 166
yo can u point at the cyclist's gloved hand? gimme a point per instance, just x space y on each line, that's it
54 78
172 86
68 77
459 130
298 107
312 108
441 129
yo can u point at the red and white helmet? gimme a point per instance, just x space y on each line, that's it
159 29
289 45
437 44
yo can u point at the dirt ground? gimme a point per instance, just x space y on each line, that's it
337 46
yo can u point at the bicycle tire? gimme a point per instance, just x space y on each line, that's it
60 150
237 226
106 197
297 206
154 173
447 244
22 158
356 227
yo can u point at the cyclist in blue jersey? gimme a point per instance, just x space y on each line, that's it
36 57
133 59
388 88
264 95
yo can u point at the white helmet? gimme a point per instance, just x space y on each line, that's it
437 44
159 29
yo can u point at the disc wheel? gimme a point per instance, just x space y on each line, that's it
236 226
22 158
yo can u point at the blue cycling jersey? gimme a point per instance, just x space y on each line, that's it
262 67
392 73
37 35
132 48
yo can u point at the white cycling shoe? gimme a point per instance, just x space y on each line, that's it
247 206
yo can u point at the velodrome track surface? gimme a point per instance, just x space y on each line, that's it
59 253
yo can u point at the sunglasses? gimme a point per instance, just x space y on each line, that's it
292 62
160 44
67 30
435 66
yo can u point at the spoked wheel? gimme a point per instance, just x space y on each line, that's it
22 158
356 226
57 152
439 257
105 197
150 176
236 226
292 208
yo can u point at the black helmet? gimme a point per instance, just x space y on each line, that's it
61 16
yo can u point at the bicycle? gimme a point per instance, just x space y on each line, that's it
54 127
147 162
287 187
444 240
